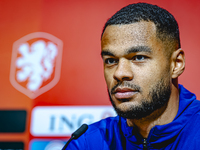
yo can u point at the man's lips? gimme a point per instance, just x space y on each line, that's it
124 93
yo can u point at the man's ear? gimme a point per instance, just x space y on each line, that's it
177 63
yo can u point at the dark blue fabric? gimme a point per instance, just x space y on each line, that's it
183 133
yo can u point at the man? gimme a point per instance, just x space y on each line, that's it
142 62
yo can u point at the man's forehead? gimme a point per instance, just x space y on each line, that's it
135 34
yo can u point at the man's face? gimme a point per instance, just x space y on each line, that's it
136 70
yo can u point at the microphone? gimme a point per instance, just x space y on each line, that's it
76 134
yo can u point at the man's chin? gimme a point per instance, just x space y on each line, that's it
125 106
133 109
129 112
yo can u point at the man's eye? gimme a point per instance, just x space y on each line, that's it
139 58
110 61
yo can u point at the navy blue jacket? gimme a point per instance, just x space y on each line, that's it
183 133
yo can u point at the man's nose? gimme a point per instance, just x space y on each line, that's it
123 71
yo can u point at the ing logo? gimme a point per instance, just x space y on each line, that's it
36 63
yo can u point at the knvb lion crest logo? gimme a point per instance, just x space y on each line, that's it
36 63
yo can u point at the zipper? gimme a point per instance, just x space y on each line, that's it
144 144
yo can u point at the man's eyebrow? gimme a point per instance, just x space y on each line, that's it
103 53
130 50
139 49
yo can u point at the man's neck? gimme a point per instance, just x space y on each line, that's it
161 116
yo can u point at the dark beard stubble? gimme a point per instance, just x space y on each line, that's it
158 97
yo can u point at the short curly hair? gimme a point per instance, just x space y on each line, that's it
166 25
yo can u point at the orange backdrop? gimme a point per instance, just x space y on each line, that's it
78 24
